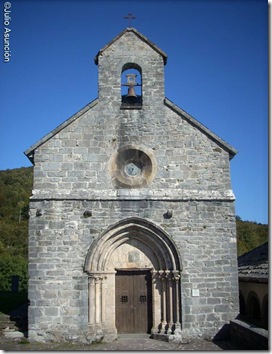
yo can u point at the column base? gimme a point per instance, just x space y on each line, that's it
168 337
102 333
160 336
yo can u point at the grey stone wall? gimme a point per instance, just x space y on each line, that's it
204 232
72 174
77 158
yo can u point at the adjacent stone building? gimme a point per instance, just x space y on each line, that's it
253 285
132 217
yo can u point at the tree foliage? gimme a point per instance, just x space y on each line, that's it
13 265
250 235
15 190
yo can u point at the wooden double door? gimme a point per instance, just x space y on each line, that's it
133 301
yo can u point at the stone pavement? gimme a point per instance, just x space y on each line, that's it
143 342
130 342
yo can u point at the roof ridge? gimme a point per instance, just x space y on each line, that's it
140 35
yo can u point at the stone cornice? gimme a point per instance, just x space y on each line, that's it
135 194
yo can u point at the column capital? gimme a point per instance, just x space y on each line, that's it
176 275
163 274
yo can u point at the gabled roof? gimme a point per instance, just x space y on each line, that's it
138 34
253 265
30 151
232 152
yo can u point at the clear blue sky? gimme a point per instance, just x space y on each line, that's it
217 71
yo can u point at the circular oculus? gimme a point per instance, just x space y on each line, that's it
133 166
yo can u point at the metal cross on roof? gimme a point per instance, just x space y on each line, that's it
129 17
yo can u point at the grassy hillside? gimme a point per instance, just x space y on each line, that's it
15 190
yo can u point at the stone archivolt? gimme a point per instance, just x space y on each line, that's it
164 252
161 259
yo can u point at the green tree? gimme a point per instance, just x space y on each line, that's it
15 190
250 235
12 265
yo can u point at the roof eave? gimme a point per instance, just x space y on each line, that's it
30 152
232 151
253 279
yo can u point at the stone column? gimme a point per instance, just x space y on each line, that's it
91 300
171 301
176 278
97 299
163 300
103 303
98 285
154 279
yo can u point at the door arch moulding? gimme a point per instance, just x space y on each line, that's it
152 241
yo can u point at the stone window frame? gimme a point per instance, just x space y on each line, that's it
127 154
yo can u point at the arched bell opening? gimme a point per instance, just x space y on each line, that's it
134 248
131 86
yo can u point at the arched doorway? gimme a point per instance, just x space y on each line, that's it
253 308
265 312
242 304
136 251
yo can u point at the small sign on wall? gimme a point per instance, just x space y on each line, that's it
195 292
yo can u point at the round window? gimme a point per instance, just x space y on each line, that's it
133 166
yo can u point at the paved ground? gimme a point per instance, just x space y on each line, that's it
123 343
129 342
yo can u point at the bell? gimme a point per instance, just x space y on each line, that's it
131 92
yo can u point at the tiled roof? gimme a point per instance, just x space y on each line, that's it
253 265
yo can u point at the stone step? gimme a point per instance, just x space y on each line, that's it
4 324
7 320
13 334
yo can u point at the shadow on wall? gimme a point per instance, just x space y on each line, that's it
241 335
11 300
20 317
245 335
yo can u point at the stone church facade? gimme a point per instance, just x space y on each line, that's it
132 217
